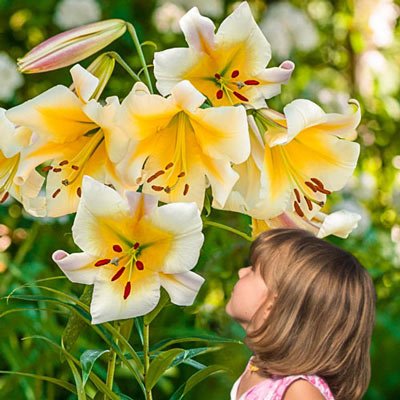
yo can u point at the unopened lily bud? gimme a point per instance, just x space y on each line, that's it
71 46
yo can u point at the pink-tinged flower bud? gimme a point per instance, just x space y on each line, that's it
71 46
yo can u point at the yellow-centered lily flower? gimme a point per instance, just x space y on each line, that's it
72 134
228 66
296 160
12 141
130 248
71 46
339 223
185 148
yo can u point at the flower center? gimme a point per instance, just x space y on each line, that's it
73 168
8 169
175 169
231 86
126 261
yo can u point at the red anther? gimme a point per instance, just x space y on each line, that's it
240 96
217 76
220 94
57 169
79 192
55 194
139 265
181 175
155 176
317 182
324 191
75 167
311 186
298 209
5 197
104 261
117 248
251 82
157 188
234 73
309 204
127 290
297 194
186 189
169 165
47 168
136 245
167 189
65 162
118 274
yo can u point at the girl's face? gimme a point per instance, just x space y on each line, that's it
249 292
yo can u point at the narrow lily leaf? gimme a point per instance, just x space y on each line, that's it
190 353
148 318
99 330
159 365
87 359
92 376
139 327
78 381
199 338
197 378
149 43
55 381
75 325
194 364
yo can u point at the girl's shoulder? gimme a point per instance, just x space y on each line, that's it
275 387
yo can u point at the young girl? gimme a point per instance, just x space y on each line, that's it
308 310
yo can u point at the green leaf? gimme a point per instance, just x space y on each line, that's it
190 353
139 327
199 338
93 377
87 359
149 43
164 299
75 325
159 365
78 380
196 378
55 381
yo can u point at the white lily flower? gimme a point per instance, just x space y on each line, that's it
228 66
185 147
131 247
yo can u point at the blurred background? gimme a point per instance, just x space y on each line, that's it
342 49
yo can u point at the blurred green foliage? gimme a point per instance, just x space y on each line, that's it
346 61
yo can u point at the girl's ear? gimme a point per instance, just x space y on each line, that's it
269 305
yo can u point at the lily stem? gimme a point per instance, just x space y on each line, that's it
111 363
228 228
146 332
124 65
132 32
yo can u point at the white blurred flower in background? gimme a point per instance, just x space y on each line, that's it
11 79
363 187
372 66
377 20
333 100
210 8
72 13
166 17
287 28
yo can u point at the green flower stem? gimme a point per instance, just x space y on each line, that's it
111 363
132 32
228 228
146 332
124 65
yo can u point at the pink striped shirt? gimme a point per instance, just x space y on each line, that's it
274 388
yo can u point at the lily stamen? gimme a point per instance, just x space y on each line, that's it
102 262
118 274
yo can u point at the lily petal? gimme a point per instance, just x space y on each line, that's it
182 221
198 31
339 223
109 305
78 267
182 288
85 83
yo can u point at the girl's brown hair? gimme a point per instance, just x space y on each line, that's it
322 316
